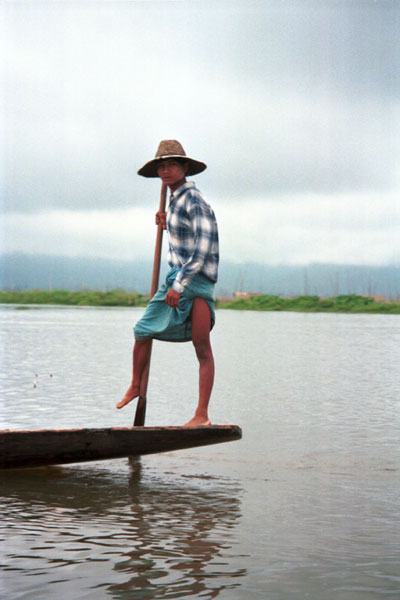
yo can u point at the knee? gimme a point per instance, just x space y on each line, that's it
202 348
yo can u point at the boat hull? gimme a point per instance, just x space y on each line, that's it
21 449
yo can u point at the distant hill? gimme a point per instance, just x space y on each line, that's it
21 272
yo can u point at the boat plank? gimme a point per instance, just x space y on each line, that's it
41 447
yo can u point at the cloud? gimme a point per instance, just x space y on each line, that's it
293 99
293 105
354 229
112 234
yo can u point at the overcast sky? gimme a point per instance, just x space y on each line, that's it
294 105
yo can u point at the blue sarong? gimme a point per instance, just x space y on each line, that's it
162 322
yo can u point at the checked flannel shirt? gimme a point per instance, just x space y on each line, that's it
192 235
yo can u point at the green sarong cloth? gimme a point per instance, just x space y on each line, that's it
162 322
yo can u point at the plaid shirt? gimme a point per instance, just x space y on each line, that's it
192 235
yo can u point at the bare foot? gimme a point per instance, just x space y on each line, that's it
198 422
132 392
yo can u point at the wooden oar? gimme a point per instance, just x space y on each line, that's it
141 405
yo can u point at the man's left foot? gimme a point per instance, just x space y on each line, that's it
132 392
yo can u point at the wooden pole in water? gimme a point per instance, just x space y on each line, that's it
142 401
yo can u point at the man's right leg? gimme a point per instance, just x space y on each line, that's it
141 355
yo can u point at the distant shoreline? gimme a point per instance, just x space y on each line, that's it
347 303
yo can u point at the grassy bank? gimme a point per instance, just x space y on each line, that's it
83 298
349 303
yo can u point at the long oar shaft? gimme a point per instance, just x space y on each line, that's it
158 247
140 414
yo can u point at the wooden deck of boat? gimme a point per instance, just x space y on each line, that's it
21 449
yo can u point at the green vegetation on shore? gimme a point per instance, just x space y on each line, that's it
349 303
116 297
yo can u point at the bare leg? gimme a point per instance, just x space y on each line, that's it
201 320
141 353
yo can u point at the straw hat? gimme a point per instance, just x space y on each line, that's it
171 149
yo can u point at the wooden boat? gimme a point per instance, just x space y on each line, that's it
19 449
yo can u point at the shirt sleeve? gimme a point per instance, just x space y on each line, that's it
202 224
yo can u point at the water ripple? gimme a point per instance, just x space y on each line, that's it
164 537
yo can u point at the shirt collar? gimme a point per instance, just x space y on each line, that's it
181 190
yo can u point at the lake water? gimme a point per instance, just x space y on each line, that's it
306 505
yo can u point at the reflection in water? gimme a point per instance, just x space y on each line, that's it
152 535
178 534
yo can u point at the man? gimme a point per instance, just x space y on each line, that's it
183 307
